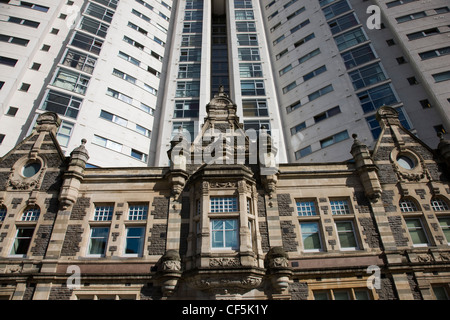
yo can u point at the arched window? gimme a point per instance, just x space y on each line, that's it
407 205
31 213
439 204
2 213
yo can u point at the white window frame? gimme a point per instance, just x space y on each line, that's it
223 231
407 205
439 204
98 255
340 207
137 211
103 212
223 204
302 233
306 208
31 214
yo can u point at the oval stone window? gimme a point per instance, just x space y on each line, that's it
405 162
31 169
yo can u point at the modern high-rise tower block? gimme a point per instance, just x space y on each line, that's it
126 75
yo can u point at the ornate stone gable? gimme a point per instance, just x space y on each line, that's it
401 156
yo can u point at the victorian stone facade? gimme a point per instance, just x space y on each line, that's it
225 220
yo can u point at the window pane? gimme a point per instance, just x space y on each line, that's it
223 204
341 295
310 236
321 296
339 207
306 208
445 225
416 231
103 213
224 233
22 241
99 238
346 235
137 212
134 240
440 293
361 295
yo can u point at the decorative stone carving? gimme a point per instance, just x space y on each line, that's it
216 283
169 272
444 256
171 265
224 262
222 185
278 270
17 181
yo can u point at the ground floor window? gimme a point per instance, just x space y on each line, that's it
343 294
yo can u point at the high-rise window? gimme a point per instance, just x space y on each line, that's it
193 54
244 15
357 56
71 81
188 71
350 39
79 61
64 133
367 76
336 9
93 26
248 54
250 70
63 104
252 88
86 42
255 108
187 89
99 12
186 109
8 61
375 98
